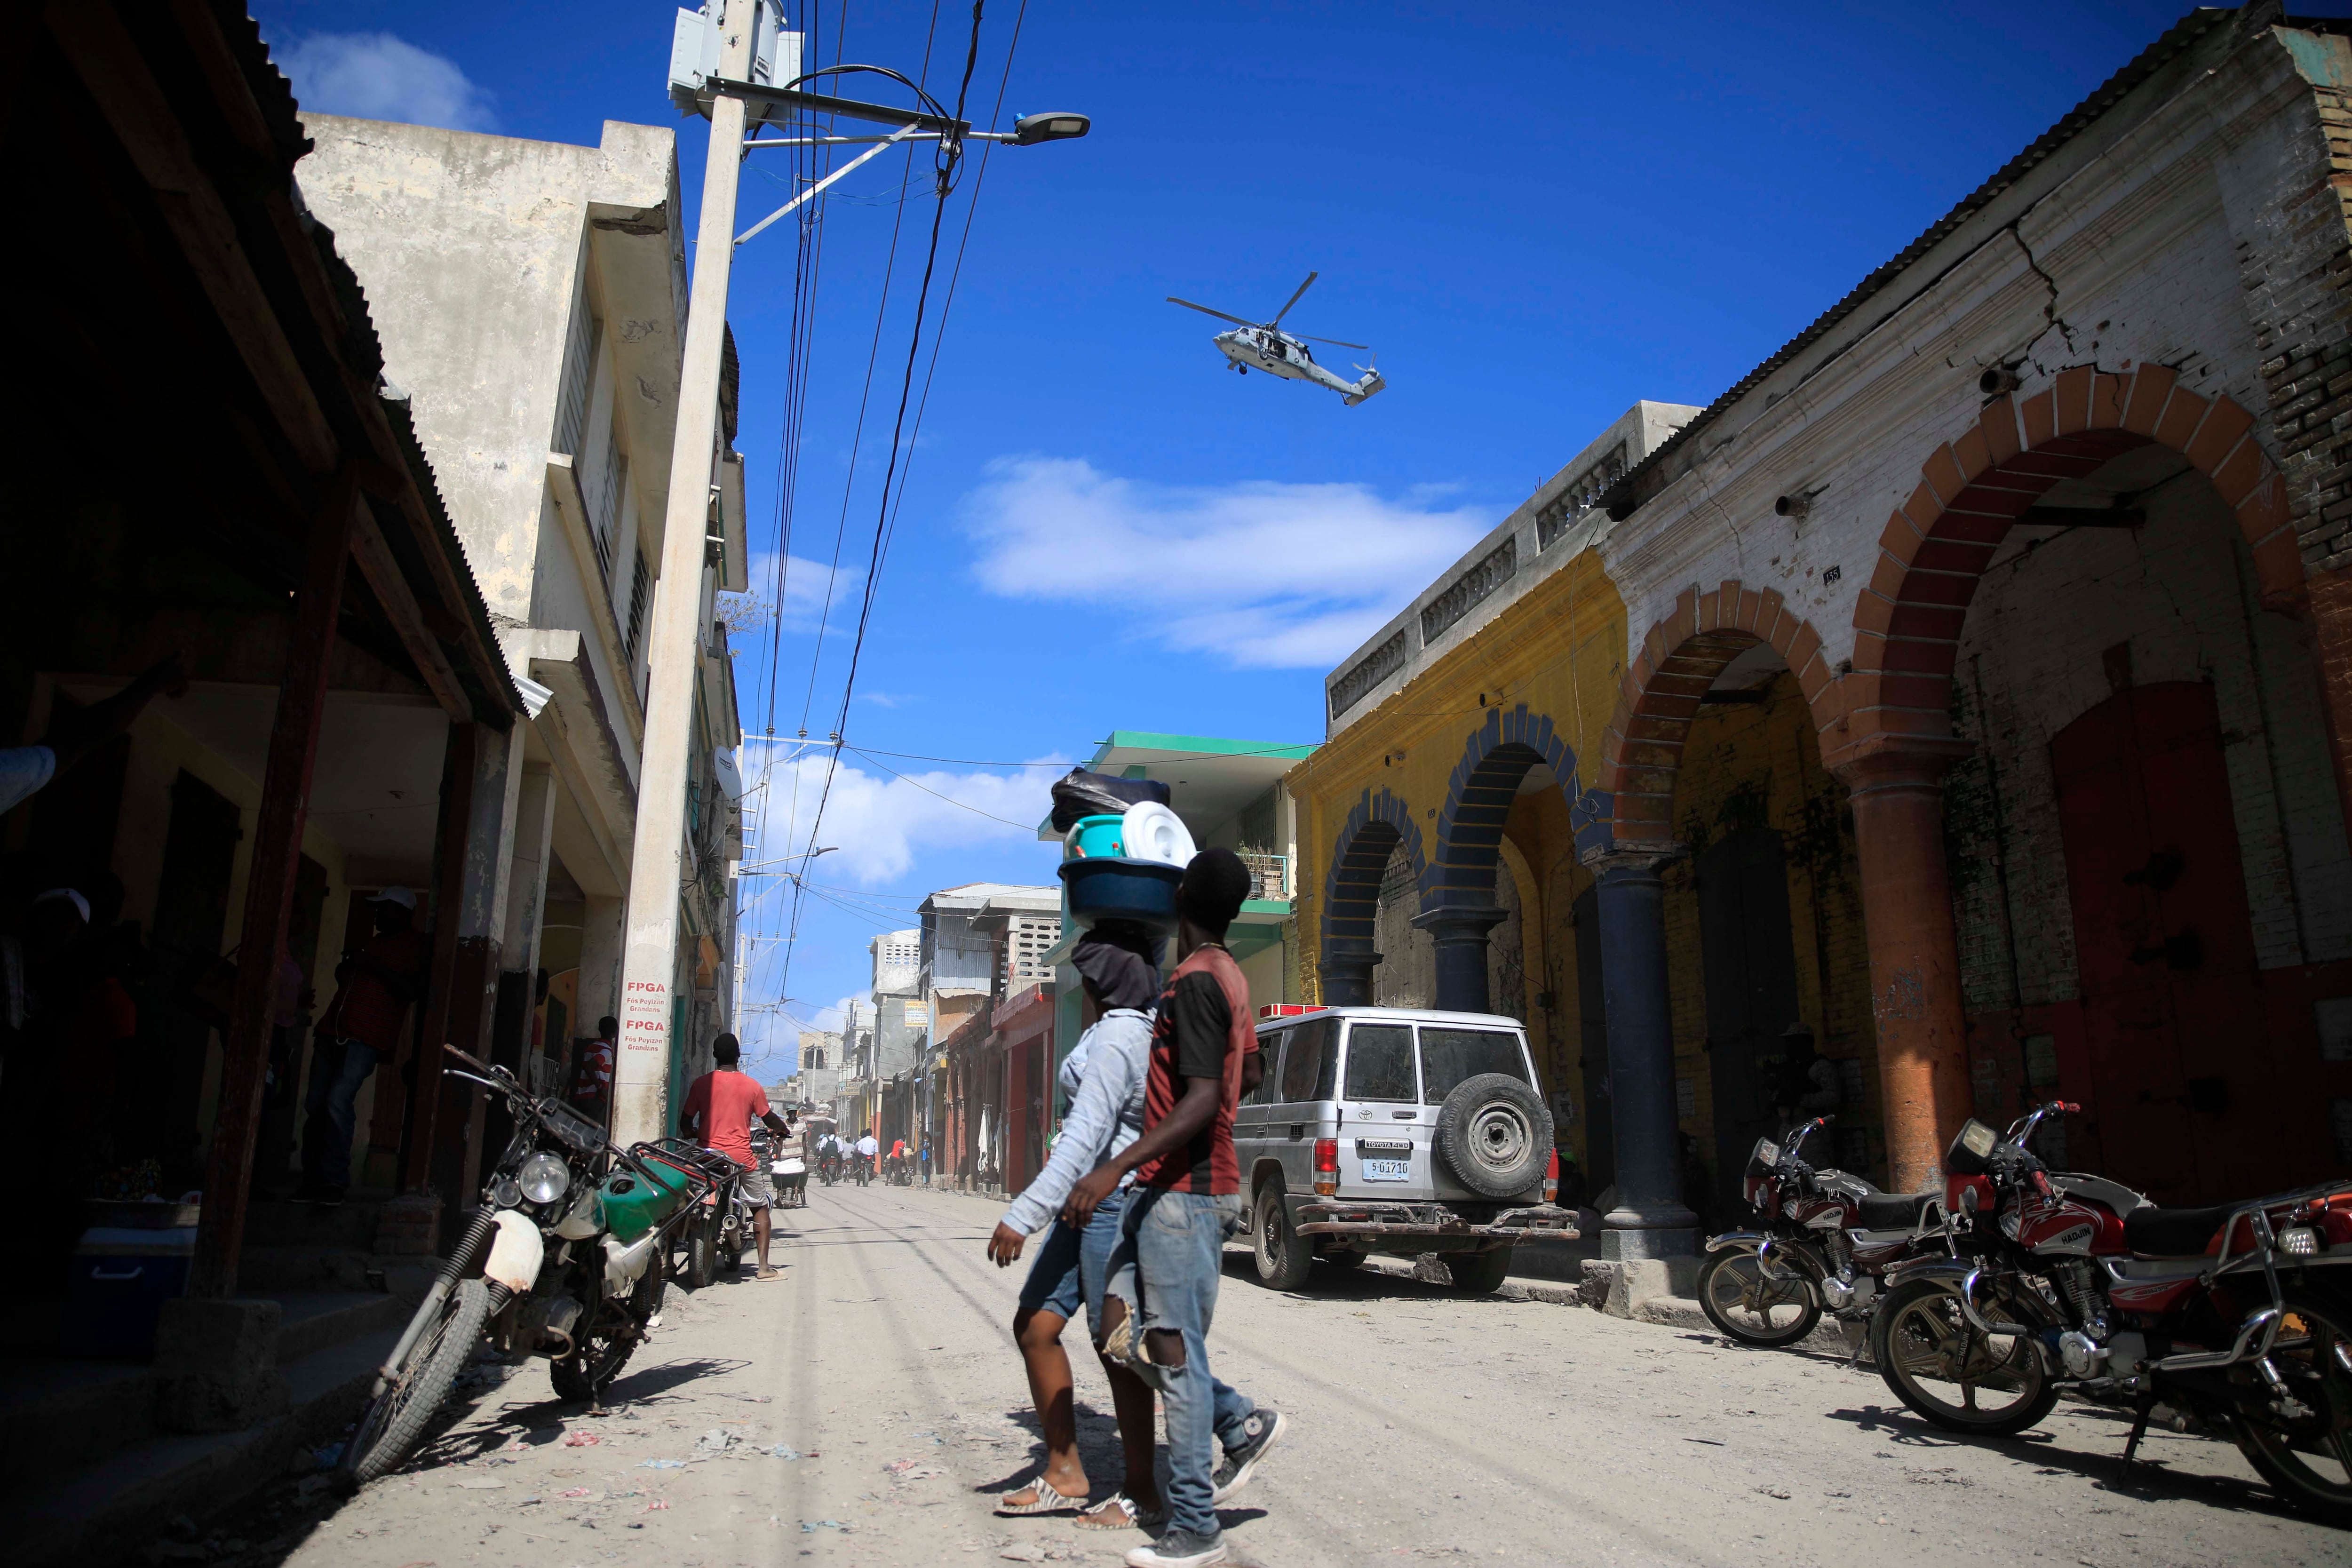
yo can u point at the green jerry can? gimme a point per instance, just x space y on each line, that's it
633 1205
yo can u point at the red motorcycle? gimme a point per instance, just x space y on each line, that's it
1823 1239
2234 1319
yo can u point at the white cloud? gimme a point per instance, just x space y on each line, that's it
811 588
1263 574
376 76
878 823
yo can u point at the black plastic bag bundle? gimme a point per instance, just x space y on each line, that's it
1082 794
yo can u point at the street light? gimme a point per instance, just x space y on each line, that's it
1060 126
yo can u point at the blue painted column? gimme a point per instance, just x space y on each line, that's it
1347 972
1459 934
1650 1219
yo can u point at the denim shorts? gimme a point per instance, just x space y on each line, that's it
1071 1264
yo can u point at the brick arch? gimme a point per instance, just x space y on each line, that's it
1936 546
1658 699
1374 826
1478 797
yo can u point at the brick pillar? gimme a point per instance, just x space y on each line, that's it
1897 795
1459 935
1650 1220
2330 598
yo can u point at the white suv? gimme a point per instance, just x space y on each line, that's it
1395 1130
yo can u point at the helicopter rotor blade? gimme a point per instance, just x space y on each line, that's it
1206 311
1336 342
1294 300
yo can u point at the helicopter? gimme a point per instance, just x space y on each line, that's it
1267 346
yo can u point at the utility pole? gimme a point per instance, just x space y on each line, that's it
657 864
728 77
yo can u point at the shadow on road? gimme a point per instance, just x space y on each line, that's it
2146 1480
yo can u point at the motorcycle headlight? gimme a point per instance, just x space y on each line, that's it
544 1177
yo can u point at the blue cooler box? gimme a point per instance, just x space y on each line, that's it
120 1281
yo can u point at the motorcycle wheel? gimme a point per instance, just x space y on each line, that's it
701 1254
2307 1460
1942 1367
1744 1303
599 1357
396 1419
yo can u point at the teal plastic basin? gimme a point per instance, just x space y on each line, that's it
1094 837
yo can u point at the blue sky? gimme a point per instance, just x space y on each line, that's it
1534 212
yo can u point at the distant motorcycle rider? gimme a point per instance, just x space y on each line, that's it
868 1146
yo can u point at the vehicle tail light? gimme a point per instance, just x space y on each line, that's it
2300 1241
1552 1178
1327 1167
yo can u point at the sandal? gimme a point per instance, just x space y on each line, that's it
1120 1514
1048 1500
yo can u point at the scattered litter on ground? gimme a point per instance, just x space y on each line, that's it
482 1486
581 1439
1780 1492
749 1398
532 1499
900 1466
718 1440
663 1465
589 1493
784 1451
657 1505
811 1526
1026 1552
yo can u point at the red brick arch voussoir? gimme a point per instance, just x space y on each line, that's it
1660 694
1936 546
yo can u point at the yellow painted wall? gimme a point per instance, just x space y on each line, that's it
1560 649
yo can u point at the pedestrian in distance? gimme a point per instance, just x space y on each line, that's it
357 1033
1163 1275
720 1108
1103 1077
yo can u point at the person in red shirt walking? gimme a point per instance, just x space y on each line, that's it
358 1031
1187 1200
720 1109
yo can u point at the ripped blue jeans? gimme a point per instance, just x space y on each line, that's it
1166 1267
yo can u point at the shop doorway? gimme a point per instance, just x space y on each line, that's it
2176 1056
1748 964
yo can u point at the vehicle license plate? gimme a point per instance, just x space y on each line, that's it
1387 1170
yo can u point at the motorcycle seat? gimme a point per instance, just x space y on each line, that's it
1894 1211
2174 1233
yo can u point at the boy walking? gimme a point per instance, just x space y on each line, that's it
1187 1201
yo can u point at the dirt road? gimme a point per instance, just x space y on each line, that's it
1424 1427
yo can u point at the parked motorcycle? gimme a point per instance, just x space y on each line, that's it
712 1240
1823 1238
897 1170
562 1259
2234 1319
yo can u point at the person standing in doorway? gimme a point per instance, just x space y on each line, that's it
358 1033
1187 1201
721 1107
591 1078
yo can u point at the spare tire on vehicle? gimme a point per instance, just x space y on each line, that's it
1494 1134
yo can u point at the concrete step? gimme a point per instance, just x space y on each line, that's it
56 1415
104 1508
317 1320
274 1270
351 1224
